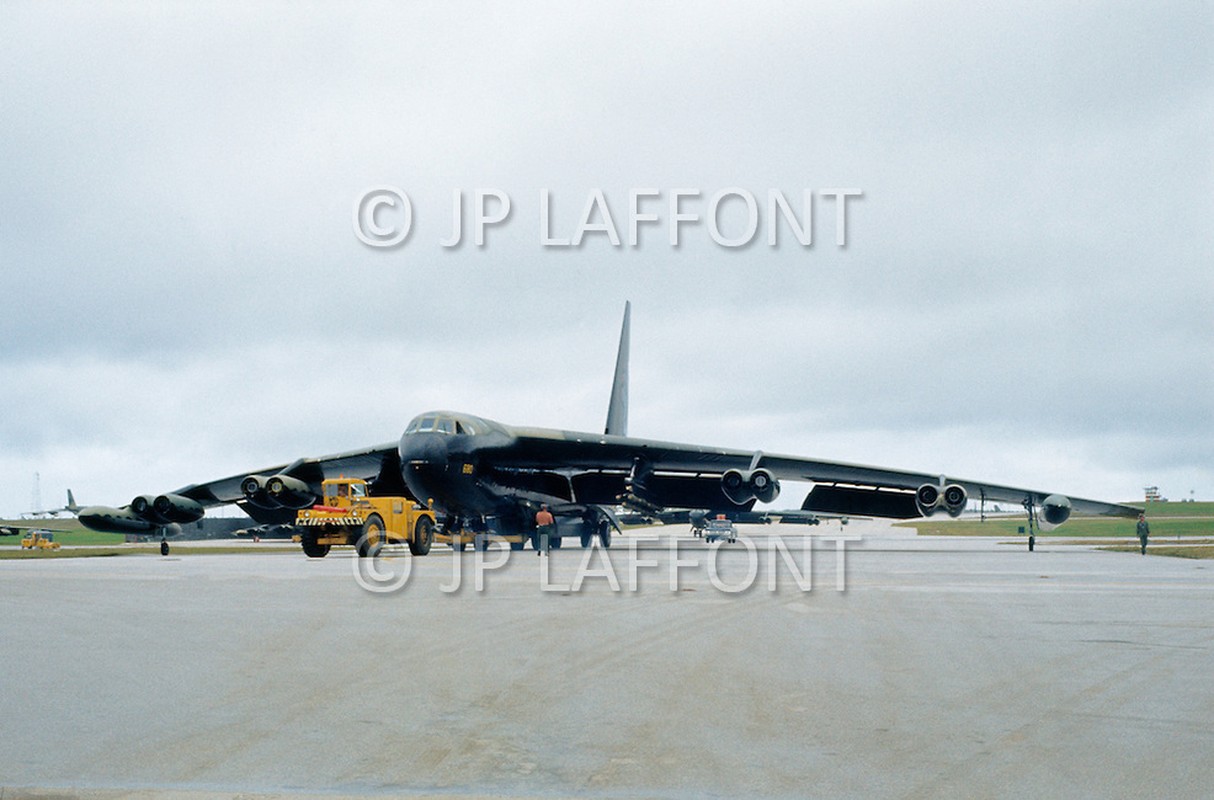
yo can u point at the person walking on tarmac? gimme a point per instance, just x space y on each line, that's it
1144 530
545 527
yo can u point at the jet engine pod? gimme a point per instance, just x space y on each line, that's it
764 486
1054 511
954 499
177 509
254 489
927 498
736 486
742 486
289 492
142 507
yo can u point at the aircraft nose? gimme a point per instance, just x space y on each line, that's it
423 448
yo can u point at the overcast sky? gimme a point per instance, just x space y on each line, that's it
1026 295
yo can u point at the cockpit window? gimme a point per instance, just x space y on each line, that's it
443 424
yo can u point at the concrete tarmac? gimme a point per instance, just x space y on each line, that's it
958 667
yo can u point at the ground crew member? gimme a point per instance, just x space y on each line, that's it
1144 530
545 527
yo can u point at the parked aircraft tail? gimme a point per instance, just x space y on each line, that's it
617 412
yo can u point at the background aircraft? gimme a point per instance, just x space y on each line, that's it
44 520
488 476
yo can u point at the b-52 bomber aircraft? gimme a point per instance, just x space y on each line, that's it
486 476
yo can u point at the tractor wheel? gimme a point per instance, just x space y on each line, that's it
371 541
312 549
423 537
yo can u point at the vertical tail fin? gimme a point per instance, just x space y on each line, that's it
617 412
71 503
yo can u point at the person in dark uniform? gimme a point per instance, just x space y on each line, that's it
545 527
1144 530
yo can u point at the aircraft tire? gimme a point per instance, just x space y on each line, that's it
587 538
1032 541
519 545
164 547
371 540
605 533
423 537
554 542
314 550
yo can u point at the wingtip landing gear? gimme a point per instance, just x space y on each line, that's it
1028 507
164 546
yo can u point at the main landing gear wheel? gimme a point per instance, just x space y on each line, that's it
587 537
1032 542
423 537
605 533
372 539
164 547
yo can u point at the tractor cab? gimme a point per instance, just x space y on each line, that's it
344 492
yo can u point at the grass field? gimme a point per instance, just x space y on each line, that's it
1175 550
1199 509
1167 520
79 535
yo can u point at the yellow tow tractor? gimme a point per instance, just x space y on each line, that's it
37 540
349 514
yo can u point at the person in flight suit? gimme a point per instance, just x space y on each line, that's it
1144 530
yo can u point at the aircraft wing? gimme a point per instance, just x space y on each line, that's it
367 463
680 475
380 465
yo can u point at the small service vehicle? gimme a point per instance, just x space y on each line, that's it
349 515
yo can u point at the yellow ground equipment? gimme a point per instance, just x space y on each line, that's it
458 540
37 540
348 514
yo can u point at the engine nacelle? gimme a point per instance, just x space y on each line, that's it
927 498
290 492
953 498
254 490
742 486
764 485
931 498
1054 510
176 508
142 507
